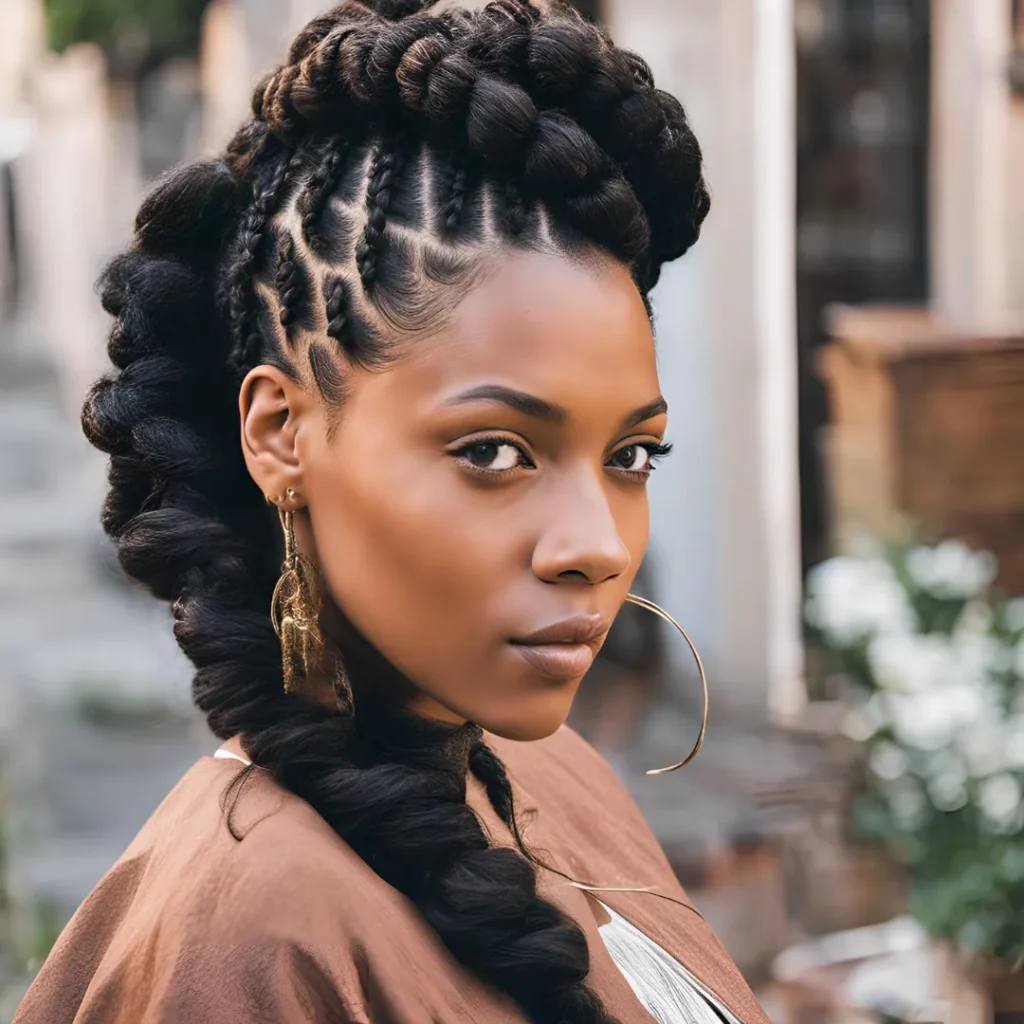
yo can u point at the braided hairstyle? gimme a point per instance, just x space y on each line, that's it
396 155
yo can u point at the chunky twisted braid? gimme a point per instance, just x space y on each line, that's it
315 241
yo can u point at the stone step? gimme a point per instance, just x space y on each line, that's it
24 369
85 790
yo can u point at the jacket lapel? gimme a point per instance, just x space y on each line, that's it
604 851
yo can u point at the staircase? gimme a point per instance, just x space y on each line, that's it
95 720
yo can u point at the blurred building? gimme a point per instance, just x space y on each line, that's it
866 159
858 150
910 224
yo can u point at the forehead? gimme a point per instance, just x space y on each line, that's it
575 333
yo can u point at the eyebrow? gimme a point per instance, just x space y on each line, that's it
646 412
539 409
529 405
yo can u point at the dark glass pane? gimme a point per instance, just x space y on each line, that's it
862 162
589 8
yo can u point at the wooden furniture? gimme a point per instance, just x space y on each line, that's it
926 422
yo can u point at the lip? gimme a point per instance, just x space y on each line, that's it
558 661
578 629
564 650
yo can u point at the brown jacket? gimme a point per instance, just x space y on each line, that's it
288 925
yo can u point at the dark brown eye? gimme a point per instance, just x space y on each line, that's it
493 456
482 455
634 458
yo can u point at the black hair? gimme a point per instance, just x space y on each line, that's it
395 153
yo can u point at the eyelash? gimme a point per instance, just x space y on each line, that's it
655 451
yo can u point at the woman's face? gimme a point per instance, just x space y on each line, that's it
479 509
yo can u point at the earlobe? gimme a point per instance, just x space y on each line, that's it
267 412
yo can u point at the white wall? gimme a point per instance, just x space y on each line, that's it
78 186
976 186
1015 162
272 24
726 516
242 39
226 73
21 43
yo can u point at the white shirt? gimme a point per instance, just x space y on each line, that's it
665 988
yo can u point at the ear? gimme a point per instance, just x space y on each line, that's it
270 406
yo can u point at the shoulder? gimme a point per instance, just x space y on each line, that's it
261 896
294 875
232 855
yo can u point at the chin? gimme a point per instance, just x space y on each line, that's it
536 719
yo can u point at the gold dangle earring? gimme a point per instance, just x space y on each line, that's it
650 606
295 606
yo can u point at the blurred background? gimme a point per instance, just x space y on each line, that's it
841 529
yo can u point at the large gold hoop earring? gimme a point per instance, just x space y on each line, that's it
295 607
642 602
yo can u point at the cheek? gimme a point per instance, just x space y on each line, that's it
407 557
630 508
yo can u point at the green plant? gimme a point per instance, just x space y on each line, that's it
28 928
44 924
158 28
931 661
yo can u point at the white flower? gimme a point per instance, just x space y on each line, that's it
862 544
851 599
1004 658
1013 742
909 663
948 791
1015 615
1000 801
907 804
945 762
983 746
974 658
975 620
888 761
929 720
951 570
1018 659
859 724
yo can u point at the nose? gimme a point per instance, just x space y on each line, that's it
581 540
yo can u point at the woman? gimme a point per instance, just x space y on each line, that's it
420 278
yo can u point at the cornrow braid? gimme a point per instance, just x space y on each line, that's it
451 213
317 193
514 209
531 131
290 288
245 330
338 324
386 165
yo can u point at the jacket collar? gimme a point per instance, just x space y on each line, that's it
604 847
